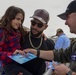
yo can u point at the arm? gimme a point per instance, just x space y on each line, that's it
3 52
51 54
61 69
48 55
3 46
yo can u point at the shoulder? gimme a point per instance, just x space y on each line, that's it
61 38
73 42
50 43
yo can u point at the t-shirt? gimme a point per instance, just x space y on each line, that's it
37 66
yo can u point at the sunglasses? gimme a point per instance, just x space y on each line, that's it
33 23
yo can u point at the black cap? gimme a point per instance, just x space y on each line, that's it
42 15
70 9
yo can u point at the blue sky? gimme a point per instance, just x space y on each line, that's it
54 7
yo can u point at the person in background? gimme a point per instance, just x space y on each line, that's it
11 31
68 55
62 41
35 40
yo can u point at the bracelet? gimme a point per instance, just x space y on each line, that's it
38 53
69 73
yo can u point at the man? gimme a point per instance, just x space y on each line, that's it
34 40
62 41
68 55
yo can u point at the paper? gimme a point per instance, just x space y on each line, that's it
22 58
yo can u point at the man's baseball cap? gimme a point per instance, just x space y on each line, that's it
70 9
42 15
59 30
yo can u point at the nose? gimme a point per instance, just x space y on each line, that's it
20 22
35 26
66 22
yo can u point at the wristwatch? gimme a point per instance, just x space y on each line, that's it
69 72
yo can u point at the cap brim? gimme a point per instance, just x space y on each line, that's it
56 33
62 16
38 18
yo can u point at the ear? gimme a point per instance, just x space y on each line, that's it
46 26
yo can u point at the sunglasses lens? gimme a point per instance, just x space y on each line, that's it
33 23
40 25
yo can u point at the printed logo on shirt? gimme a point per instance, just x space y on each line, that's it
73 57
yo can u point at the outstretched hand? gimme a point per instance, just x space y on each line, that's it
60 69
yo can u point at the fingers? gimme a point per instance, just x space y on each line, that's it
20 73
28 50
19 51
54 64
45 38
15 52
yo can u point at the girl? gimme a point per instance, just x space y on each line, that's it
11 31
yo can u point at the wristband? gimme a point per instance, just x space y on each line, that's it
69 73
38 53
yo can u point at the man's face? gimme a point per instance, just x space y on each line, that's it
37 27
71 22
58 34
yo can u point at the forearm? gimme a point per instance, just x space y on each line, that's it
49 55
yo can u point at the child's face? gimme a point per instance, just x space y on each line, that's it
16 23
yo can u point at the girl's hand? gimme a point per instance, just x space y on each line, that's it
19 51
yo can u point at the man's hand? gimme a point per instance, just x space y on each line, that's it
45 38
33 51
20 73
60 69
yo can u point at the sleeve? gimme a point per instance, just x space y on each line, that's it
3 52
62 55
59 43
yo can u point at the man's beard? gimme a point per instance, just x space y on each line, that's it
36 35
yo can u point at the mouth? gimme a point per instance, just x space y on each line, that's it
18 25
34 31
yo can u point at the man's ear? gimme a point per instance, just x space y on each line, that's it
46 26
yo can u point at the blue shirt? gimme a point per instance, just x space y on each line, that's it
62 42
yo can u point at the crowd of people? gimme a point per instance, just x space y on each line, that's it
14 39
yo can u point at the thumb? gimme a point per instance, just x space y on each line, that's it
54 64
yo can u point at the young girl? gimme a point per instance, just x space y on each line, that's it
11 31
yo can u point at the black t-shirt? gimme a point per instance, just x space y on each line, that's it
37 66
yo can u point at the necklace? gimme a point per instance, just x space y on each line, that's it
32 44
